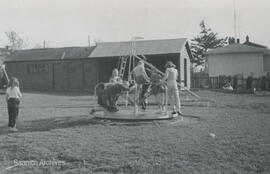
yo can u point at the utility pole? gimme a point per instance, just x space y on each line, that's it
234 19
89 41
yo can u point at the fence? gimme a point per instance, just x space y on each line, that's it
238 82
199 80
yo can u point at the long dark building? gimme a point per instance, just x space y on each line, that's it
81 68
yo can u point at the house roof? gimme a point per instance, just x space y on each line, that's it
50 54
141 47
253 44
104 49
238 48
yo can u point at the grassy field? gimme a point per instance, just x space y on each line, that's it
56 135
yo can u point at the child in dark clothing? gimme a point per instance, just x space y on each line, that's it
108 95
13 96
158 89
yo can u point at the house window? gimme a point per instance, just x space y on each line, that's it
266 63
40 68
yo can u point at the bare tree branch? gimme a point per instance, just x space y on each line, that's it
15 41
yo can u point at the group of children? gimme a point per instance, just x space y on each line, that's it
158 86
155 85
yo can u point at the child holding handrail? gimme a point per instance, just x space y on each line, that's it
171 76
142 80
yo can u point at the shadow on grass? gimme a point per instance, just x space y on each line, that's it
84 120
51 123
90 99
60 93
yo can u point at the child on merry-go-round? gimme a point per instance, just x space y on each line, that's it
142 80
158 89
170 78
109 93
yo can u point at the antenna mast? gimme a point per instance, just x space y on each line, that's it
89 41
234 19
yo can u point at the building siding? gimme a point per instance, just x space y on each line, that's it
59 76
105 66
266 63
232 64
33 80
82 74
184 55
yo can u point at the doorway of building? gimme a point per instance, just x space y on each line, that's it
185 71
75 76
60 76
90 76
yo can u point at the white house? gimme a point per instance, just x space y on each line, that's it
237 58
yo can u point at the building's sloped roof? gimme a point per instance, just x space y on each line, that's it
237 48
50 54
254 44
104 49
141 47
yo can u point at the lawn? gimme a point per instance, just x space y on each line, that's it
57 135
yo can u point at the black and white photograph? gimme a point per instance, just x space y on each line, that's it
134 87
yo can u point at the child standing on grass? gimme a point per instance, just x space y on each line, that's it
13 96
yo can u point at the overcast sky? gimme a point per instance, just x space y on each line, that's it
65 23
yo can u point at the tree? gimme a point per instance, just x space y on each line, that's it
206 40
15 41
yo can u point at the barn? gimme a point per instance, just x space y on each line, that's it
81 68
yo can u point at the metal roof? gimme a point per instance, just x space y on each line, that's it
237 48
141 47
50 54
103 49
253 44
